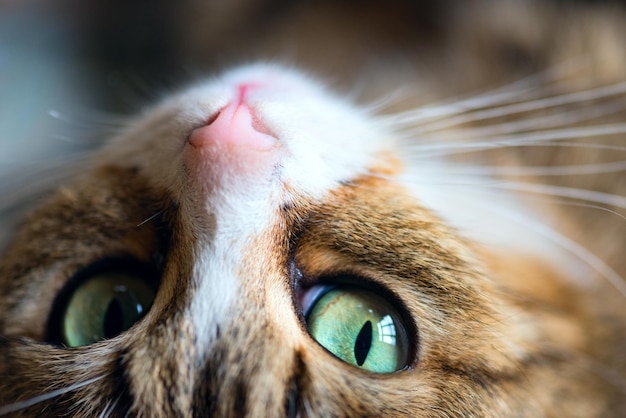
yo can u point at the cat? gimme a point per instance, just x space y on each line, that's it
260 244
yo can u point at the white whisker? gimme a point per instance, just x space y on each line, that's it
307 408
15 407
566 170
106 412
150 218
564 202
527 88
109 408
387 100
569 192
515 140
410 147
430 113
526 125
533 105
591 206
586 145
567 244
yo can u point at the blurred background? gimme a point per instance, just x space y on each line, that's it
67 63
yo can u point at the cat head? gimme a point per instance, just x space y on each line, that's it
250 247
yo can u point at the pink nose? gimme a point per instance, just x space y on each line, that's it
234 145
235 126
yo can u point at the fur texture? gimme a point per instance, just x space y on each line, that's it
493 222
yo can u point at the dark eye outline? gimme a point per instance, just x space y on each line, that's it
301 284
124 265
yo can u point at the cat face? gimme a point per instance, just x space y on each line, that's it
250 248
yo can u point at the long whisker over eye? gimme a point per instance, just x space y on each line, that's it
17 407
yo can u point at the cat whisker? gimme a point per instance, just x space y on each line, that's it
564 170
551 199
607 147
388 100
568 192
514 140
589 258
591 206
568 202
109 408
466 114
149 219
567 244
486 183
477 168
18 406
87 130
445 109
557 120
307 408
562 241
99 117
527 88
91 124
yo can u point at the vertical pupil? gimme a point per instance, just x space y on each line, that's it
363 343
113 320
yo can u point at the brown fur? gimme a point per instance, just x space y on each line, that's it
497 333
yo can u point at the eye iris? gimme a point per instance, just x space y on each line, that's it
361 328
103 307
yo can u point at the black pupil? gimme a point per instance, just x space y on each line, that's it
114 319
363 343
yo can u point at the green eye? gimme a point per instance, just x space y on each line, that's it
103 306
361 328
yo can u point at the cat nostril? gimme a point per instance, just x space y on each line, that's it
212 118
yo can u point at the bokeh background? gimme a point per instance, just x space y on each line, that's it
68 65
